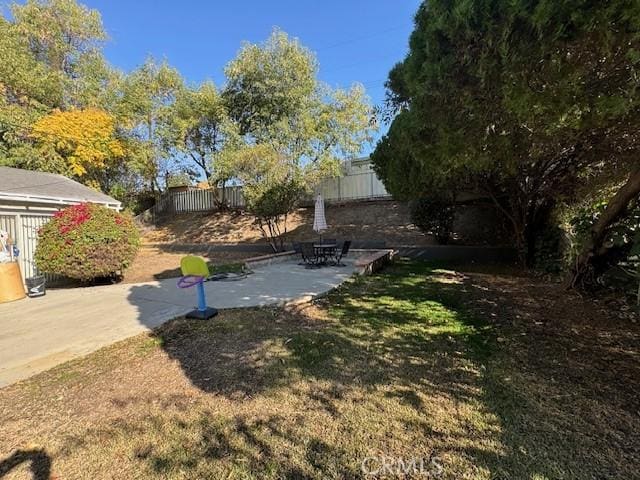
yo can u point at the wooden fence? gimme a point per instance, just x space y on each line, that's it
194 201
356 186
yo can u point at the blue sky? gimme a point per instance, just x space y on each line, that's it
354 40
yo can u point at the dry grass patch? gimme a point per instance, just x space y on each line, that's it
409 363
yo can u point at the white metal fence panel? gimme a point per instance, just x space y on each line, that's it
331 188
359 186
30 226
378 189
355 186
193 201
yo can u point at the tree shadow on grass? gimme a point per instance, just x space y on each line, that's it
210 446
40 463
561 376
396 340
447 348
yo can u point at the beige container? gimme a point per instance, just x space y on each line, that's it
11 287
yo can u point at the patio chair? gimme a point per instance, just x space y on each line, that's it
343 251
297 248
309 256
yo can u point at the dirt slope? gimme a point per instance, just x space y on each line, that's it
386 221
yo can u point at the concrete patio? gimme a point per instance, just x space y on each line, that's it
37 334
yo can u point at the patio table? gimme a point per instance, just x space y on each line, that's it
325 250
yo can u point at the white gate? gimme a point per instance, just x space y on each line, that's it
23 230
30 226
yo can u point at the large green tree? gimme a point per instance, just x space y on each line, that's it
28 89
200 124
64 35
275 97
520 99
51 59
279 105
148 95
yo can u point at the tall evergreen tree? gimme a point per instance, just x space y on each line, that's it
520 99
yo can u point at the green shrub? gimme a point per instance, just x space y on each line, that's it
578 220
435 217
87 241
617 266
270 203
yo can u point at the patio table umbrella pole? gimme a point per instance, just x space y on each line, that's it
319 221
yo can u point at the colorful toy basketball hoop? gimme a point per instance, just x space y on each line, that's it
194 273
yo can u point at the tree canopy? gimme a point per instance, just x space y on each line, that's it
292 130
524 101
64 109
82 142
50 52
200 124
147 96
275 97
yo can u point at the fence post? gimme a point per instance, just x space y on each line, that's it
370 184
22 244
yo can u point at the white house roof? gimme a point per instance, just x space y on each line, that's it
39 187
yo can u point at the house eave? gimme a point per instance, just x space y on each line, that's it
57 201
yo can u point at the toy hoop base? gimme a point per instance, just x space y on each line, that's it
205 314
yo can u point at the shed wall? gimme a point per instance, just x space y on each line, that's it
23 229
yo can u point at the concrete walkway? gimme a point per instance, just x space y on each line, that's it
37 334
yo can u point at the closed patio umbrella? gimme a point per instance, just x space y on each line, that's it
319 222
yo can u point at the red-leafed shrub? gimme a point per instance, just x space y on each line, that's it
87 241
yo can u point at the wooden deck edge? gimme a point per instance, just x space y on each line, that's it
373 261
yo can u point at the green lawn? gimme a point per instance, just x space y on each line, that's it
414 363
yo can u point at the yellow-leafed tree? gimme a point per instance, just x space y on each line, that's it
83 143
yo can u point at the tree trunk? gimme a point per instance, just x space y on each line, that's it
518 226
537 221
223 199
614 210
